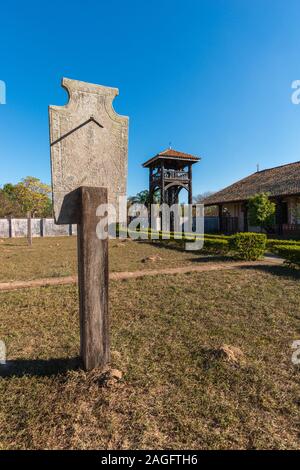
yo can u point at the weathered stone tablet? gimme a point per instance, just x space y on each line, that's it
89 143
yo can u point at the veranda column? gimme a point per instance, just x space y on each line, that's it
220 217
279 215
245 210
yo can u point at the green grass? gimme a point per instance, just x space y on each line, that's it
175 392
57 257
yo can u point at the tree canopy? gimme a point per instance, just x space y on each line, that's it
210 211
29 195
143 197
261 210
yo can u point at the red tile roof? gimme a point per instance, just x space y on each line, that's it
172 154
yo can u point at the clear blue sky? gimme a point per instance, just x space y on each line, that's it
212 77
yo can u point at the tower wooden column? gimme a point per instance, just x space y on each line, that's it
190 199
162 182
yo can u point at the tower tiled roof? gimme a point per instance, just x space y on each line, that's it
172 154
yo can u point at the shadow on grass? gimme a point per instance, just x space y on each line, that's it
211 259
19 245
38 367
276 270
204 256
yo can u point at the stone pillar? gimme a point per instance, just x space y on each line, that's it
88 142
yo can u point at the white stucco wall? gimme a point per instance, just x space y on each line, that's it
4 228
39 227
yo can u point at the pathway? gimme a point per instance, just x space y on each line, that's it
117 276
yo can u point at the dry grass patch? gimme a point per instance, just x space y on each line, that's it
57 257
174 392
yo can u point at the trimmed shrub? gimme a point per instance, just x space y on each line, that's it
290 253
216 245
249 246
272 242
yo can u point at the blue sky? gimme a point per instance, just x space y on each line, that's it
212 77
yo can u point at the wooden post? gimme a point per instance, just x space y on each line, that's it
162 183
10 227
42 227
150 186
92 281
190 184
29 229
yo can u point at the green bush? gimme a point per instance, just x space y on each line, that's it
261 211
216 245
273 242
249 246
290 253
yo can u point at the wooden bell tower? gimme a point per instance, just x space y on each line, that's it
170 171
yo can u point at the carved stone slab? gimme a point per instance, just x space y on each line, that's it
89 147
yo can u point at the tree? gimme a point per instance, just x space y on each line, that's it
211 211
8 207
199 198
29 195
261 211
8 190
143 197
35 185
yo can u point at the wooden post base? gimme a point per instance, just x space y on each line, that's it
92 281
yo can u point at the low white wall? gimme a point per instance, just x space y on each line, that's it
39 228
4 228
19 227
50 229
